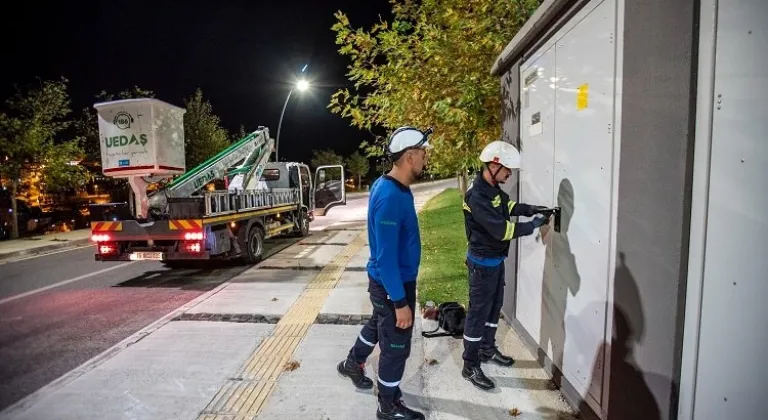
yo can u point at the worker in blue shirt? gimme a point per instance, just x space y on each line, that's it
393 235
487 212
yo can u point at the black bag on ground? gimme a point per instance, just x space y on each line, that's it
450 319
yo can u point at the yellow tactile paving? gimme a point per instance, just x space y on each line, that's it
243 396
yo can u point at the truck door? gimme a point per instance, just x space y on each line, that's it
307 199
329 188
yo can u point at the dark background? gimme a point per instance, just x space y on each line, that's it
242 54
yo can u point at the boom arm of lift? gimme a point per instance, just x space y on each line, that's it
253 148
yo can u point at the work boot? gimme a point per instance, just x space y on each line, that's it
396 411
476 375
356 372
494 355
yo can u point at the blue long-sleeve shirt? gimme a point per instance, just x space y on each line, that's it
393 235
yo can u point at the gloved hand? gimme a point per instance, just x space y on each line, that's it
539 221
534 210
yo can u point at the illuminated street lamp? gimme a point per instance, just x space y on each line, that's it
302 85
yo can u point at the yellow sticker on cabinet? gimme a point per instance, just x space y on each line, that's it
582 97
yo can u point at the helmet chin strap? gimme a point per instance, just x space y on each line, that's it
493 174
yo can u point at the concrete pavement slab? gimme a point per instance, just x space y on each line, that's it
251 298
303 257
277 276
524 386
360 260
170 374
337 238
350 297
316 391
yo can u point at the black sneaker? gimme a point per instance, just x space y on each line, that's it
494 355
476 375
349 369
397 411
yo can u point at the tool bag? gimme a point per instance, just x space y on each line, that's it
450 319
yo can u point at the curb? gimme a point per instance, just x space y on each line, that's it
44 248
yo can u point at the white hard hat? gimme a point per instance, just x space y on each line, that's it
405 138
502 153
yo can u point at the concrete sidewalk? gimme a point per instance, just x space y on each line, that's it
266 345
17 248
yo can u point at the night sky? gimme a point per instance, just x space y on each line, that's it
242 54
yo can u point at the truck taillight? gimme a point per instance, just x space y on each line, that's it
192 236
107 249
100 238
193 246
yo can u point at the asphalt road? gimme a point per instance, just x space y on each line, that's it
59 310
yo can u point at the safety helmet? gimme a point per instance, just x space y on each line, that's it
406 138
502 153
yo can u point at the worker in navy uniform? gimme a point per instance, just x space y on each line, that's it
487 212
393 235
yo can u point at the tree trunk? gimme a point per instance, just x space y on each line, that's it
15 210
360 182
462 182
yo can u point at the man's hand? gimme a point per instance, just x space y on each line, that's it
534 210
404 317
539 221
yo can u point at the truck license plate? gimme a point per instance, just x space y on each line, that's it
144 256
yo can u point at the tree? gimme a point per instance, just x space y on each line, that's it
203 134
327 157
414 71
87 125
241 133
29 137
358 165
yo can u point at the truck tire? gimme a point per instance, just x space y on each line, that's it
303 229
255 245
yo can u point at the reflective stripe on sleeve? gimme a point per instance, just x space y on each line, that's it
510 231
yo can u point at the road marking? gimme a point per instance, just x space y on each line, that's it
61 283
245 395
44 254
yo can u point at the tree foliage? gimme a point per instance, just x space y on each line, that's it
87 125
327 157
203 134
30 136
358 166
241 133
430 67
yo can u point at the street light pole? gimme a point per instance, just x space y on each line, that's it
301 85
280 124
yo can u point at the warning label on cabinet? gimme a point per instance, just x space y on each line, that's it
582 97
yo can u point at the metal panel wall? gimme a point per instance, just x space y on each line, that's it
584 173
510 117
731 373
568 161
537 142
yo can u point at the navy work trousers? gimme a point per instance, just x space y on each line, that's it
486 296
394 343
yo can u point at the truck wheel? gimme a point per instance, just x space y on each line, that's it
303 229
255 245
